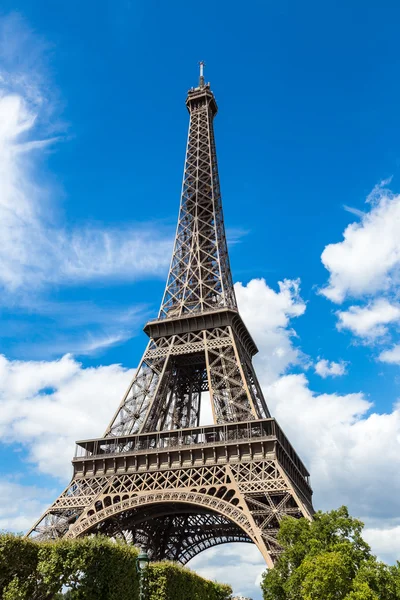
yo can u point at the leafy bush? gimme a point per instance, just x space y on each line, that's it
92 568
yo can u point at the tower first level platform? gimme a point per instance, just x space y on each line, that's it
179 492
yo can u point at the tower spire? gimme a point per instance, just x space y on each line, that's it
202 64
200 278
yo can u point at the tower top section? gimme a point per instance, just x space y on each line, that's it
201 95
199 280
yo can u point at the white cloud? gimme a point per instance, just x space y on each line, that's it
326 368
34 250
47 406
385 542
239 564
352 453
366 265
267 314
368 259
369 321
391 356
21 504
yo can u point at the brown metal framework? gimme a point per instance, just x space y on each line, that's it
156 478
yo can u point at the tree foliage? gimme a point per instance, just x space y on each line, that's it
92 568
327 559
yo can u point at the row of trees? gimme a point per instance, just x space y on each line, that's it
92 569
327 559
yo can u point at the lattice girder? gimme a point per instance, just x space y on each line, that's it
158 398
199 278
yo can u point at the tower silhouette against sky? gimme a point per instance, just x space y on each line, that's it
157 478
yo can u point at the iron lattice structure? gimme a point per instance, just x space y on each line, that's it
158 478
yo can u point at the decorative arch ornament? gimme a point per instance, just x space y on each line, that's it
226 509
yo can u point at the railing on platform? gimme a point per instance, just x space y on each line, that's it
175 438
209 435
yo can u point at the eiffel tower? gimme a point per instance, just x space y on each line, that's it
157 478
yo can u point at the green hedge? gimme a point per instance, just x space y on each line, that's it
168 581
92 568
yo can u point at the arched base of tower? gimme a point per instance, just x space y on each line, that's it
180 500
172 531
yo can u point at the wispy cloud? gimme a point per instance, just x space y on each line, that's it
94 344
234 235
354 211
35 250
79 343
81 328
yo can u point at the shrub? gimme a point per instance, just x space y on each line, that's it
92 568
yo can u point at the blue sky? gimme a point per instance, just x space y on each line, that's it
92 139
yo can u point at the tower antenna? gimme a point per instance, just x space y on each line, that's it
201 80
